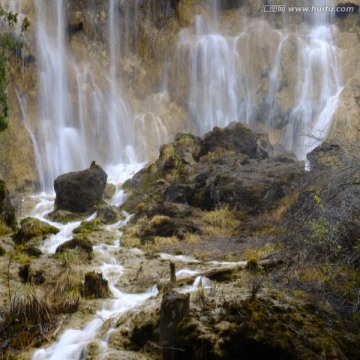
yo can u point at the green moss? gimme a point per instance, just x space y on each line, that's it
166 152
87 227
31 228
186 139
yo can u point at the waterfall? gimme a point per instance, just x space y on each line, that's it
83 115
226 84
272 72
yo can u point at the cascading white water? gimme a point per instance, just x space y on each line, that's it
82 116
319 85
223 86
235 73
56 134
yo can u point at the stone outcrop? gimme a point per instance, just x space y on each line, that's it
80 191
232 166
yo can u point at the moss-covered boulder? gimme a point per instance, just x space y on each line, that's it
31 228
87 227
233 166
81 243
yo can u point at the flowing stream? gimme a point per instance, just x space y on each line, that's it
73 343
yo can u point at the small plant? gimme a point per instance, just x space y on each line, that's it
69 281
68 258
252 264
255 284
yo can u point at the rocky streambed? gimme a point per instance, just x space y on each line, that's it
269 261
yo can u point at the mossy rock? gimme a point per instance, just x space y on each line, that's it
81 243
31 228
29 249
87 227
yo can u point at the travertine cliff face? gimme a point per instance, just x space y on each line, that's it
155 71
346 122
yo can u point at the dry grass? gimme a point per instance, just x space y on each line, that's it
285 203
261 251
212 231
158 219
221 218
69 281
190 238
130 241
70 258
28 305
159 240
22 257
68 303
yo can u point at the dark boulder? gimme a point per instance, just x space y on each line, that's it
327 155
164 226
109 214
80 191
235 137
